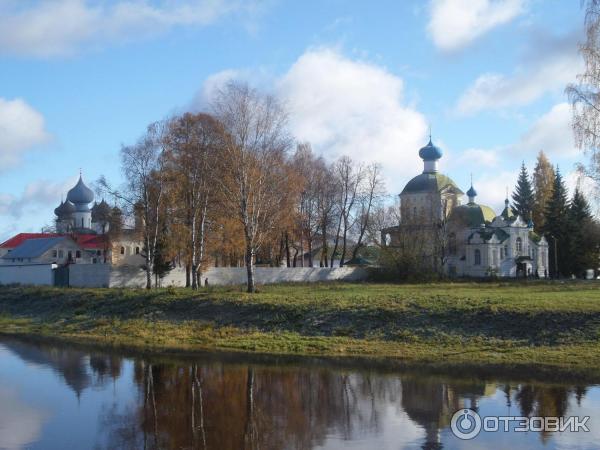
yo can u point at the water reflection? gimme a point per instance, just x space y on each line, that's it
209 403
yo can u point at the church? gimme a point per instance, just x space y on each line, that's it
83 234
463 239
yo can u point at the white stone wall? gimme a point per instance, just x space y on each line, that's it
96 275
27 274
89 275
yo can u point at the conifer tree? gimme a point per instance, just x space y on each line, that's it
582 249
557 227
543 178
523 197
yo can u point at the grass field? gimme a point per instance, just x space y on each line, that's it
542 324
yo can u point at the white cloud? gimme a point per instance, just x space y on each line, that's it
21 129
42 28
454 24
558 66
37 196
491 187
477 156
354 108
551 133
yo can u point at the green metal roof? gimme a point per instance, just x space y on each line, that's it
487 234
429 182
472 215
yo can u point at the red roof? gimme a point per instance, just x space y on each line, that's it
85 241
17 240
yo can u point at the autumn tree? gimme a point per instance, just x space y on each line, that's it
543 180
193 144
255 144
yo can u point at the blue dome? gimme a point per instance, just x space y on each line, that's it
64 209
430 152
80 194
471 192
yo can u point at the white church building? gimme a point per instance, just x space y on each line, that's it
464 239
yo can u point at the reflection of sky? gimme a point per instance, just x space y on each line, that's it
67 422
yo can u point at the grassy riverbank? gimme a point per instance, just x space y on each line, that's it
543 324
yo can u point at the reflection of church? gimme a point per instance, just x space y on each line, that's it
466 239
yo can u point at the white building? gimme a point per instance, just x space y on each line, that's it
464 239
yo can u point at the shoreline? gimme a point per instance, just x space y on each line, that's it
371 323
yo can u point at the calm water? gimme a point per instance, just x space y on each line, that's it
60 397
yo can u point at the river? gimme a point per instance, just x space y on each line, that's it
57 396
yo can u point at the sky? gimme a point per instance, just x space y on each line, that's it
367 79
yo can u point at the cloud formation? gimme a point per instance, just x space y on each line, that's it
347 107
558 65
21 129
454 24
44 29
37 196
551 133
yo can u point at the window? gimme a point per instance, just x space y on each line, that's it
501 253
54 253
506 251
137 250
495 257
477 258
122 250
415 212
94 261
70 255
452 244
519 245
77 254
61 254
98 252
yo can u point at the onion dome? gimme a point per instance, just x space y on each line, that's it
80 194
100 211
430 152
430 182
64 209
471 192
472 215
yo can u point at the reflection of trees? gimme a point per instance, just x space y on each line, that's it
232 407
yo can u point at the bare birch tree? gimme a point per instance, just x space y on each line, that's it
371 193
584 95
142 165
255 142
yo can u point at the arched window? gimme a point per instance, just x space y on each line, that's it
506 251
477 257
137 250
519 245
122 250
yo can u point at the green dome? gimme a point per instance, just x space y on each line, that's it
472 215
429 182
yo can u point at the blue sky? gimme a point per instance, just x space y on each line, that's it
78 78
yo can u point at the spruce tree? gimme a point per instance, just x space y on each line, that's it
557 227
582 251
523 197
